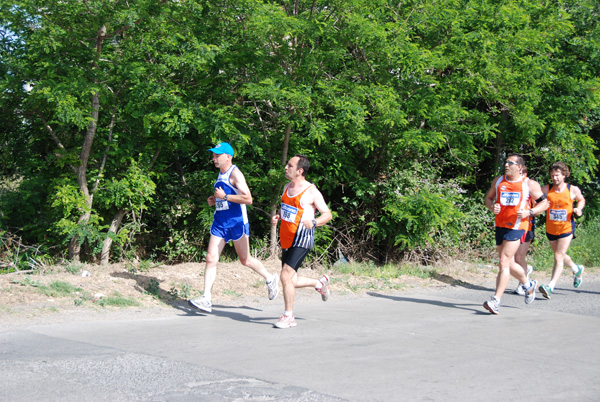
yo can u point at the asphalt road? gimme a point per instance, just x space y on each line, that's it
421 345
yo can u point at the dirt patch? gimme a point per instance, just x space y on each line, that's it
118 291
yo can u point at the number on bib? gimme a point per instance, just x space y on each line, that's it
558 215
288 213
222 205
510 198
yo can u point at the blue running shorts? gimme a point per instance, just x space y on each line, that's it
228 234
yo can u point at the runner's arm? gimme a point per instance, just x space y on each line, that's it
535 190
238 181
490 198
578 197
320 204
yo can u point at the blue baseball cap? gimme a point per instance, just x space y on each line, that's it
222 148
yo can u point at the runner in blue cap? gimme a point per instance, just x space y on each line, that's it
230 223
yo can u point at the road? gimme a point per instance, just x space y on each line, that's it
434 344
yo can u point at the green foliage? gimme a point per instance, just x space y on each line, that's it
134 189
70 204
153 288
17 256
471 237
405 111
185 291
417 204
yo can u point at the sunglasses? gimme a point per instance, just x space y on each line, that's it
510 163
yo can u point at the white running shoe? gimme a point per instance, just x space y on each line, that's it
285 322
492 305
578 278
325 288
530 292
520 290
201 304
273 287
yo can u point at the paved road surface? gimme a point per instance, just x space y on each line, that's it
420 345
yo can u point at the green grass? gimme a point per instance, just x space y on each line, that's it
388 271
114 300
59 288
74 267
54 289
232 293
118 300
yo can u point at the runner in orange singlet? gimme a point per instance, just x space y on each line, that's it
299 201
508 199
560 224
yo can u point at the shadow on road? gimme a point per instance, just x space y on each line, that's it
447 279
150 285
190 311
462 306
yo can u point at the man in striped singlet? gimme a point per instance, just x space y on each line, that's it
299 201
508 199
560 224
230 224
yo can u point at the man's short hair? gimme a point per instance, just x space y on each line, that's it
560 166
303 164
520 159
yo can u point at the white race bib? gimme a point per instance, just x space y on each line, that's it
222 205
558 215
510 198
288 213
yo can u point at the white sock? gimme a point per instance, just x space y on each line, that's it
271 279
551 285
319 285
288 313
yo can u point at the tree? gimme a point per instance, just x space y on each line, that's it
98 76
122 105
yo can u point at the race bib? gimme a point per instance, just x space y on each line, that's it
558 215
510 199
222 205
288 213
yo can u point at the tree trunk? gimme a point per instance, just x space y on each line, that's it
275 204
114 226
74 246
84 157
286 144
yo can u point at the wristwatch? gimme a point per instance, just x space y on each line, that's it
314 223
531 212
225 198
